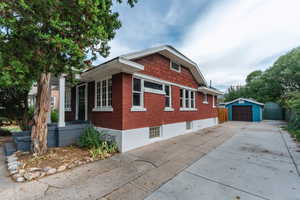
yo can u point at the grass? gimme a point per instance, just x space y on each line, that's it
295 133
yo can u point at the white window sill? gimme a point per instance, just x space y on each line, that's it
103 109
154 91
188 109
214 106
169 109
138 109
205 102
68 110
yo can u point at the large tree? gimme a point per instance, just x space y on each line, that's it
274 84
44 38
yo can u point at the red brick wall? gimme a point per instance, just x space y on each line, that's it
123 118
159 66
112 120
155 114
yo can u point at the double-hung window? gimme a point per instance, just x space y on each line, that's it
103 95
168 98
187 100
68 99
137 95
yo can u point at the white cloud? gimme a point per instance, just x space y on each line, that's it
236 36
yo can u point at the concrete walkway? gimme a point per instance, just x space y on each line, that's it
261 162
132 175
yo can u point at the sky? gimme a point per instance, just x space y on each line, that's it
228 39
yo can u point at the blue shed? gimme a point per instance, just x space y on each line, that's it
242 109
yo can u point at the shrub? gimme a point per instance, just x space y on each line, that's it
54 115
91 138
4 132
98 148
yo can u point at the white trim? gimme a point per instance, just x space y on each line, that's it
62 85
213 101
85 100
103 109
171 68
188 109
173 51
151 78
210 91
249 100
154 91
168 109
130 63
133 138
138 109
205 100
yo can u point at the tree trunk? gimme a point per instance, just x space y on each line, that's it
39 129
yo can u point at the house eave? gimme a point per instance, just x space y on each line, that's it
174 55
211 91
115 66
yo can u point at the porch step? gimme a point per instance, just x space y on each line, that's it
9 148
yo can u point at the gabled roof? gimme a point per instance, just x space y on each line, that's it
173 54
244 99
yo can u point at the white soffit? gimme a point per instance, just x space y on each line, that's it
210 91
111 67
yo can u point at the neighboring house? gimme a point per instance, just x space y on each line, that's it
242 109
144 97
54 96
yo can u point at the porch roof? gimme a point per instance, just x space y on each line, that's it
114 66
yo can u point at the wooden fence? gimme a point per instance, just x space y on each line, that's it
222 115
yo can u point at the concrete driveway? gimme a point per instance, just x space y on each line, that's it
229 161
260 162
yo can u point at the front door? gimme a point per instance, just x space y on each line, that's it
81 102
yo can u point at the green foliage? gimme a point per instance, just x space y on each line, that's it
253 76
274 84
4 132
98 148
91 138
54 115
14 104
53 36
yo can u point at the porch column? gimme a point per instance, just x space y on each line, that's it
49 113
61 116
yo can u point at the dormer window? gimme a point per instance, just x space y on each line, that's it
175 67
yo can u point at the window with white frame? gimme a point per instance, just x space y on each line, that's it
181 98
187 99
168 98
137 93
214 101
174 66
103 93
205 98
67 99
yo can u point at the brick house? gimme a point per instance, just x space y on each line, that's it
144 97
